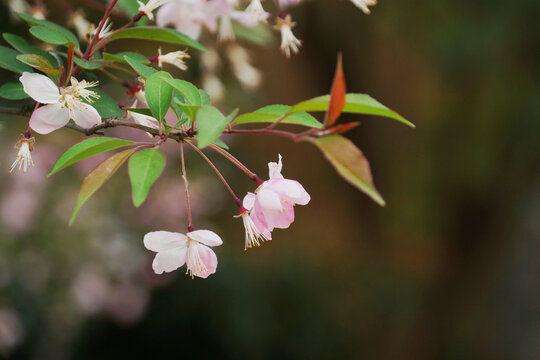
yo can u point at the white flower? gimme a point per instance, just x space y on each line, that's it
226 31
255 8
175 58
254 236
151 6
289 42
363 5
105 32
249 76
175 249
24 158
81 25
62 103
142 119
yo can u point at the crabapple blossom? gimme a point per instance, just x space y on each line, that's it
81 25
105 32
255 7
148 8
289 42
24 158
62 103
272 205
142 119
363 5
175 58
187 16
175 249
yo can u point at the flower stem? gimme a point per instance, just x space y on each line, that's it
236 199
186 185
236 162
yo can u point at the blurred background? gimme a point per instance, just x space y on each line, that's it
447 270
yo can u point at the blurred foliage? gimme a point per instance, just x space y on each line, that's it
448 270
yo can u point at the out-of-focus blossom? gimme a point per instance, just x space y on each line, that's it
249 76
187 16
272 204
62 103
289 42
90 290
214 86
82 26
175 249
127 302
256 9
24 157
175 58
363 5
287 3
150 6
226 12
19 6
11 331
38 11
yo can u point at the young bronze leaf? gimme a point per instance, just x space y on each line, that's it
337 95
350 163
93 181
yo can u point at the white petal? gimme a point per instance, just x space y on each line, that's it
49 118
274 169
164 240
269 200
40 88
169 260
249 200
205 237
84 115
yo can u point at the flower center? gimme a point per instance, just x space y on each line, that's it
195 264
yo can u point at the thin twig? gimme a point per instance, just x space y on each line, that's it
186 185
236 162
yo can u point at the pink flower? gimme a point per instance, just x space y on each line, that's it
187 16
272 205
175 249
62 103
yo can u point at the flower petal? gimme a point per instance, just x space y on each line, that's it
208 260
169 260
274 169
269 200
49 118
40 88
249 200
205 237
84 115
164 240
290 190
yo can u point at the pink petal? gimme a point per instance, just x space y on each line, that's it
281 219
169 260
249 200
290 190
268 199
164 240
84 115
208 260
49 118
205 237
166 14
40 88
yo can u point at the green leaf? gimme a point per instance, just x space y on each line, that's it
98 177
355 103
350 163
260 34
88 65
8 61
144 167
143 111
211 124
189 110
86 149
158 94
13 91
155 33
106 106
49 35
221 144
142 70
39 62
23 47
271 113
205 97
119 58
50 25
186 89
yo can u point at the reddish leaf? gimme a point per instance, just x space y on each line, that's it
93 181
350 163
337 95
338 129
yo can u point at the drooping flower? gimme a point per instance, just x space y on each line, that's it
272 204
24 158
256 229
105 32
150 6
175 58
175 249
289 42
62 103
187 16
363 5
81 25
